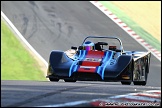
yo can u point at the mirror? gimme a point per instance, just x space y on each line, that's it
80 48
75 48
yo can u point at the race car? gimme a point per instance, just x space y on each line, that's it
99 58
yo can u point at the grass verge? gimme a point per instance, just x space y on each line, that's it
133 25
16 62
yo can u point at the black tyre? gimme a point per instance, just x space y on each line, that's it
53 79
69 80
143 83
125 83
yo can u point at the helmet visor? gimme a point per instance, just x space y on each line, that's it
88 48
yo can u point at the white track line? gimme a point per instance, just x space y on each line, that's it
127 29
66 104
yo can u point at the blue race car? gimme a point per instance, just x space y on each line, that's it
99 58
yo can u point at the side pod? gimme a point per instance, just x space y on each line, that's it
57 57
112 71
59 63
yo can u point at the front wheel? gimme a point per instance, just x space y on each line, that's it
125 83
53 79
69 80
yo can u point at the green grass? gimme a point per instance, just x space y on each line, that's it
133 25
16 62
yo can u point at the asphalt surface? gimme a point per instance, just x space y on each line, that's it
58 25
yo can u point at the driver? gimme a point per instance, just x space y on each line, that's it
88 45
98 47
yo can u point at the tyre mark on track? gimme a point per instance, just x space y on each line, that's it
43 96
70 30
34 28
33 4
60 31
25 24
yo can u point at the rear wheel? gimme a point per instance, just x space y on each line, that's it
53 79
143 83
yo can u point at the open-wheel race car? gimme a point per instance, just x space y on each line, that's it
99 58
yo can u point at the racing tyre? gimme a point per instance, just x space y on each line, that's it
125 83
69 80
143 83
53 79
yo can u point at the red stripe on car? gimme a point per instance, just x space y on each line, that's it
90 63
95 54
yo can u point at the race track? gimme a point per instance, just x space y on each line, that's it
58 25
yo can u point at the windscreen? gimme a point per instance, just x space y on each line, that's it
109 41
